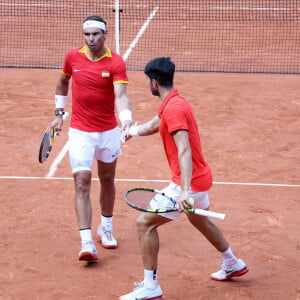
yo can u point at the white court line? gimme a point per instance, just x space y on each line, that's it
61 154
155 180
257 184
57 161
125 56
140 33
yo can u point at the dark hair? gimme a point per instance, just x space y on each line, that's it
95 18
161 69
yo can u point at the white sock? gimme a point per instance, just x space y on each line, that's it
228 257
106 220
86 235
150 279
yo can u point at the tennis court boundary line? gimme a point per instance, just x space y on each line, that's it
153 180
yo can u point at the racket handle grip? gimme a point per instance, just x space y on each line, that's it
208 213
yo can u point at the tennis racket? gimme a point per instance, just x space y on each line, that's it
139 198
48 140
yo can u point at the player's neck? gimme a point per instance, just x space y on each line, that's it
163 92
95 55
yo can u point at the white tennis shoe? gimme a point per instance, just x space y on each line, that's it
105 236
88 251
142 293
229 271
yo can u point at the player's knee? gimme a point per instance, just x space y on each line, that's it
140 222
82 182
143 227
107 178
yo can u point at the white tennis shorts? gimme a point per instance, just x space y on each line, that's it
173 191
84 147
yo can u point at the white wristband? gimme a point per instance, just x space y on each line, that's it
133 130
125 115
60 101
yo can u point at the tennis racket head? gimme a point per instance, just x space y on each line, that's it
47 143
48 140
140 198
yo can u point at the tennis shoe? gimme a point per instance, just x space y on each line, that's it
142 293
88 252
229 271
105 236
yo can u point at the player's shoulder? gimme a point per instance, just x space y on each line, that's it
116 56
177 99
177 103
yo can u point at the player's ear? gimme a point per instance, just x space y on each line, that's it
104 33
154 83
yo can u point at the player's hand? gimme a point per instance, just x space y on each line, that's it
124 131
183 202
58 123
128 134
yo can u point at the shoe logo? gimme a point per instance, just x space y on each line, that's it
228 272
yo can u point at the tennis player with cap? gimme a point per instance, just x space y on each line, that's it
191 177
99 90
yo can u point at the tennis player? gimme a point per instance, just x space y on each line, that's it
99 88
191 177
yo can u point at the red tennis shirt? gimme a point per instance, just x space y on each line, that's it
175 113
93 99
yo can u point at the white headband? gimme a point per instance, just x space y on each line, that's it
94 24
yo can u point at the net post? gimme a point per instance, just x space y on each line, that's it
117 25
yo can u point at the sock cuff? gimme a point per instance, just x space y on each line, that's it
228 255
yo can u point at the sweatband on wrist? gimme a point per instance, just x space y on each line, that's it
125 115
133 130
60 101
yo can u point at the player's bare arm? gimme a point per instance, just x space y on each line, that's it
148 128
181 138
61 92
122 101
62 85
123 108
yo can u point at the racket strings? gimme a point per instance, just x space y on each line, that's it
48 139
47 143
140 198
150 200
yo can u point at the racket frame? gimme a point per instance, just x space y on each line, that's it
52 130
196 211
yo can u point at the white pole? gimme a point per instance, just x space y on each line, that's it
117 25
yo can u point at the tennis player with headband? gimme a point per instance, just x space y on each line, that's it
99 90
191 177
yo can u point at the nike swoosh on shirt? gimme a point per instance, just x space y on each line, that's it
76 70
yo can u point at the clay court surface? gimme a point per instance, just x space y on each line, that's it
250 134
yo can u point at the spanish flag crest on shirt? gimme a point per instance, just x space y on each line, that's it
105 74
